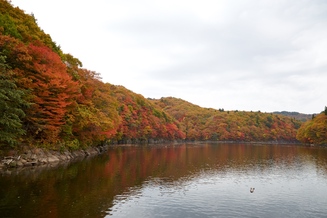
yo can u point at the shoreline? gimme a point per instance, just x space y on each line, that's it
36 157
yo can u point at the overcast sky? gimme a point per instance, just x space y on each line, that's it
267 55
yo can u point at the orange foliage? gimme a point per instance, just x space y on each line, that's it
141 120
314 131
53 91
210 124
71 106
96 118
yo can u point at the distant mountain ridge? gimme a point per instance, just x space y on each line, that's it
295 115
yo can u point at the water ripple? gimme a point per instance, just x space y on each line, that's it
282 189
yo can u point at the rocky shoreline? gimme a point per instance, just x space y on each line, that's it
38 156
35 157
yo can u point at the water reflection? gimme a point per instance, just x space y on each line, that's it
178 180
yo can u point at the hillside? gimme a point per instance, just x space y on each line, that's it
141 120
47 99
210 124
14 22
295 115
314 131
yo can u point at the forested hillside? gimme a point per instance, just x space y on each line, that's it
314 131
47 99
141 120
210 124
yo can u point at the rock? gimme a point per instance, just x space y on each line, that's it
19 164
77 154
53 159
28 163
28 154
68 155
23 156
39 156
38 152
13 164
33 157
7 161
43 160
64 156
23 161
91 151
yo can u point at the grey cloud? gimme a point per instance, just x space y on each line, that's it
248 55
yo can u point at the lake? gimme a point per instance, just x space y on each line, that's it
183 180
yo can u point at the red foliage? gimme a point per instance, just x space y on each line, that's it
53 91
141 120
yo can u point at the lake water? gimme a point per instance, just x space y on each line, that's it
187 180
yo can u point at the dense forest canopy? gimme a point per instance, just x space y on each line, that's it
47 99
211 124
314 131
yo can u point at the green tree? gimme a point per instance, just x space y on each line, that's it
8 26
11 106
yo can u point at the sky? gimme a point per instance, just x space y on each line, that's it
251 55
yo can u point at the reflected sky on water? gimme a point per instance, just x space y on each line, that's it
194 180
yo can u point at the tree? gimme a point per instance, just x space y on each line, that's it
8 26
314 131
96 118
12 106
53 91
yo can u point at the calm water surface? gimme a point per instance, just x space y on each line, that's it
194 180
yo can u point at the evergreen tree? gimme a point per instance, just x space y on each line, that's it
11 106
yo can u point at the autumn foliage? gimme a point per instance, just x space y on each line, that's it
68 106
48 99
141 120
314 131
211 124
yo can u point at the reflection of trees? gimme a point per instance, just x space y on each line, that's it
90 186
